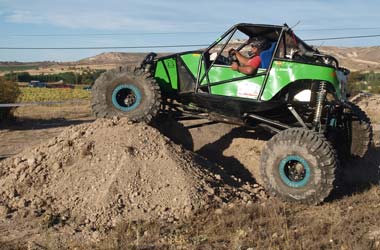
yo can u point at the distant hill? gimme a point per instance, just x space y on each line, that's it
356 58
353 58
113 58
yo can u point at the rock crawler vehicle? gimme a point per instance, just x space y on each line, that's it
298 93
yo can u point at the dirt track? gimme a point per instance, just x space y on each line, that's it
41 180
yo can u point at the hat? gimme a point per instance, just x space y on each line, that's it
258 42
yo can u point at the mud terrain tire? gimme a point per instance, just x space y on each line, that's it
126 92
298 165
361 132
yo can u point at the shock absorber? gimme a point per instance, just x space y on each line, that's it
321 95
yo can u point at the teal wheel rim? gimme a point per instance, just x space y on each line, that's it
126 97
294 171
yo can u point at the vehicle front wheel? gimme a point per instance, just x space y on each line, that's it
126 92
298 165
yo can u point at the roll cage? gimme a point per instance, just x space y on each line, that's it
287 47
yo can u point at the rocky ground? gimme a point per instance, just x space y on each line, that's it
94 175
80 183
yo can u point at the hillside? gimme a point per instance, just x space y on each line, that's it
112 58
356 58
353 58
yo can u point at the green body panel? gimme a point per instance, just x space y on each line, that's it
281 75
222 73
247 88
166 74
284 73
192 60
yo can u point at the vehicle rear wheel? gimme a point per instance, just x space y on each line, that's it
298 165
361 132
126 92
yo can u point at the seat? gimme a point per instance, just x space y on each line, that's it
266 56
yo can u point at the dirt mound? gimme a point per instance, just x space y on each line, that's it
94 175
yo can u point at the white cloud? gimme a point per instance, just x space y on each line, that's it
173 15
149 15
24 16
93 19
105 21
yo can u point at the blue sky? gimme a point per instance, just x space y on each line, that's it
94 23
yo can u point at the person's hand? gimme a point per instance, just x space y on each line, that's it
232 52
234 66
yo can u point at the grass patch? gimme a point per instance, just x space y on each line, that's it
17 68
52 94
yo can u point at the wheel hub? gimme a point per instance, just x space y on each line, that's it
294 171
129 100
126 97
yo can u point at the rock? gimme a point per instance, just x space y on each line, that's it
56 166
374 234
96 236
40 157
32 162
17 161
218 211
35 246
21 203
4 211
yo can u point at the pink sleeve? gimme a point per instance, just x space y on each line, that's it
254 62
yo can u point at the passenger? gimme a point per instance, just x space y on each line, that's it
247 65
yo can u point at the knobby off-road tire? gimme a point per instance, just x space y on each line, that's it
299 165
361 132
127 92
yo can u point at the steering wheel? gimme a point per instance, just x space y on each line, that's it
232 56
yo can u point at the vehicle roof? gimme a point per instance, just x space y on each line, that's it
263 26
272 32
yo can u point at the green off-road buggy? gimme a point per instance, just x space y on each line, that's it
297 93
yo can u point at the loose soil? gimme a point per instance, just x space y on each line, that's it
94 175
74 180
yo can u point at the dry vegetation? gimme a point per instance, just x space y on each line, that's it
350 223
52 94
9 92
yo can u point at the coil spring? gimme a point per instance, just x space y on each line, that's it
320 101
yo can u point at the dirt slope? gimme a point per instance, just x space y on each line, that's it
356 58
93 176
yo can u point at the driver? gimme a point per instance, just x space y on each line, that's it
247 65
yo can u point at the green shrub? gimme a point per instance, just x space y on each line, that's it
9 93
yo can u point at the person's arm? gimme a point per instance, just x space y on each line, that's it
242 59
248 70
